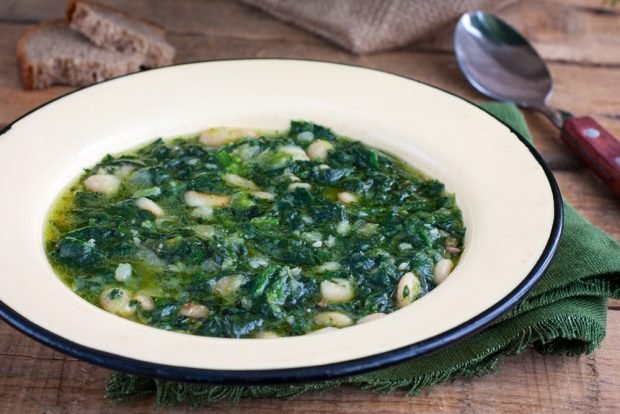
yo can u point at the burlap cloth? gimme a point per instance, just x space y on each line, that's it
364 26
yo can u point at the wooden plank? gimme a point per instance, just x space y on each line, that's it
591 198
578 31
36 379
437 69
569 32
219 17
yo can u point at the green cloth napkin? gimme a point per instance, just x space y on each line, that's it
565 313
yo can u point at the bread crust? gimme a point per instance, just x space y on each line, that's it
72 6
68 68
100 24
25 66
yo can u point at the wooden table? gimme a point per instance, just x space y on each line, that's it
581 41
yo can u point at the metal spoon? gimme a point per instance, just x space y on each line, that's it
502 64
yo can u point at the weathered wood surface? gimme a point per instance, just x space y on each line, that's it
581 41
35 379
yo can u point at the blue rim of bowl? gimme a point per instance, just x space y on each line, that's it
317 372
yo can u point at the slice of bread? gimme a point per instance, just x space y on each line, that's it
53 54
112 29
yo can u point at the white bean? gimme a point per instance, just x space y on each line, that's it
197 199
149 205
238 181
204 212
214 137
246 151
291 177
145 301
371 317
318 149
296 153
442 270
343 227
347 198
328 267
124 170
228 285
102 183
320 331
293 186
407 290
312 236
453 249
331 241
335 319
263 195
123 272
403 266
337 290
116 300
305 136
194 310
258 261
203 231
266 335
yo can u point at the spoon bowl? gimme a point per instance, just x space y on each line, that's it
500 63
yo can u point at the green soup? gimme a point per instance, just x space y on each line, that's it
237 233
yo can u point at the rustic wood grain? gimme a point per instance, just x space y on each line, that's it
591 198
36 379
580 38
582 32
219 17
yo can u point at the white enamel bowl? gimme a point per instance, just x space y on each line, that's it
510 203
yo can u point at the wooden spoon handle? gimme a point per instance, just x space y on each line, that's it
596 147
